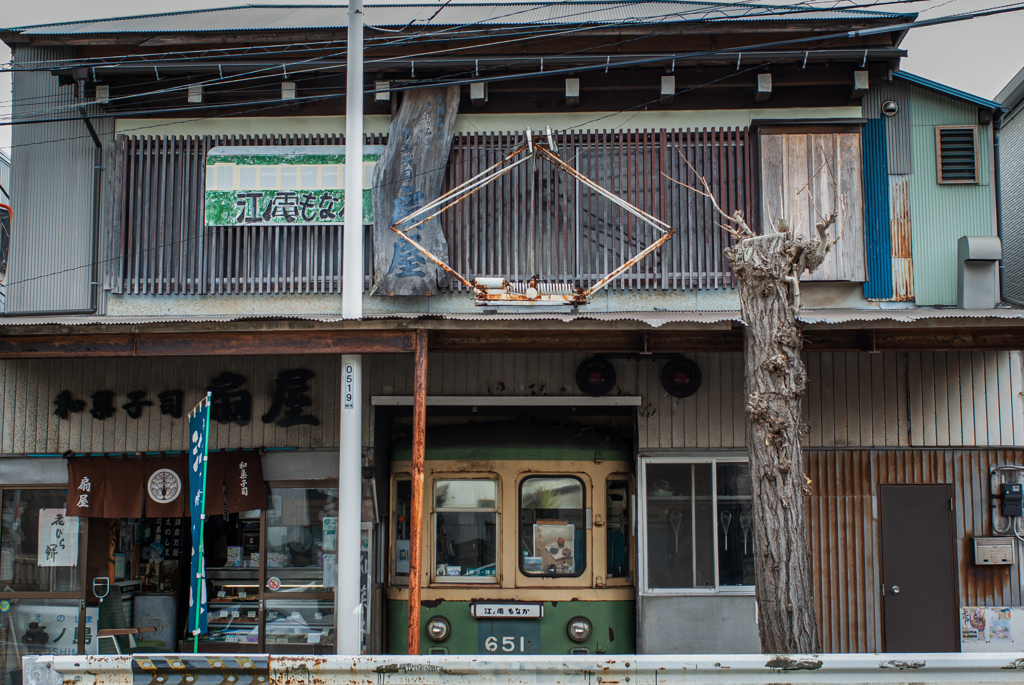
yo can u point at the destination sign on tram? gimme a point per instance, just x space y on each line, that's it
506 610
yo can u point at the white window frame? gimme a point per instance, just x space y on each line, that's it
704 457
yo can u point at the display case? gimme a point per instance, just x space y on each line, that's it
234 606
299 626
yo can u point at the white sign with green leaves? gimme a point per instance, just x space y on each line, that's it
282 185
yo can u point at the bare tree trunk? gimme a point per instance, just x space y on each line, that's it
775 380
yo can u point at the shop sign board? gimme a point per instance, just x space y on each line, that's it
274 185
50 629
58 538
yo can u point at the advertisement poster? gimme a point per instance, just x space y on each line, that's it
985 624
43 629
58 538
553 543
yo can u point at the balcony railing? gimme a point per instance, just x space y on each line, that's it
536 221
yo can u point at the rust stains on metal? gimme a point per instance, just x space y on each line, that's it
211 344
419 428
899 239
785 662
903 665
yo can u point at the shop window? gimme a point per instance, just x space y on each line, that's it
552 531
697 525
465 530
39 544
618 526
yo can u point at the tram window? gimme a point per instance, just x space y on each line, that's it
401 522
465 529
618 528
551 526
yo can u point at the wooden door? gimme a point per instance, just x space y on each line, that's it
919 605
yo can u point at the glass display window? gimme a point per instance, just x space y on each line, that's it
696 519
465 520
552 526
40 546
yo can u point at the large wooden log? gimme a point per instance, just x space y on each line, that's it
407 177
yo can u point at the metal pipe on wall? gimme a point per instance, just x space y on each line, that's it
419 427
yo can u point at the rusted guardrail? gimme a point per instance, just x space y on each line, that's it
755 669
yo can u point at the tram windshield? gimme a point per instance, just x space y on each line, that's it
551 533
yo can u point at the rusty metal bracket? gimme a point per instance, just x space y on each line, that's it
494 291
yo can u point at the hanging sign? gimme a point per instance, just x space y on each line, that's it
198 433
408 178
58 538
272 185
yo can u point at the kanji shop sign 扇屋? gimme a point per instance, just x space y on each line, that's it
282 185
231 401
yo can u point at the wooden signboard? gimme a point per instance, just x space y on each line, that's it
407 177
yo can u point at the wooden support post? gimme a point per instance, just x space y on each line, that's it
419 427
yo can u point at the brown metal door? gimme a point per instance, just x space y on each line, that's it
919 592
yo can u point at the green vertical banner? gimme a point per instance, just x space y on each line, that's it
199 433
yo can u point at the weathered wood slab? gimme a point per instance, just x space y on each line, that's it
407 177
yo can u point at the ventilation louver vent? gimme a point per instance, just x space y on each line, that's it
958 154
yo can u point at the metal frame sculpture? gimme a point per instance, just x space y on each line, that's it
500 291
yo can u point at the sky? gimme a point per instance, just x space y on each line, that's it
979 56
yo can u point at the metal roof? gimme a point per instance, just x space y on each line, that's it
293 17
653 319
946 90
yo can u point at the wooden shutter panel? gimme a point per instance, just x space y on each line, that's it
793 188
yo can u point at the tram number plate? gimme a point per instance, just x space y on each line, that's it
510 610
508 637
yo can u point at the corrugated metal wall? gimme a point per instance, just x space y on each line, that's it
877 251
897 127
944 213
853 399
52 188
887 168
1011 161
843 532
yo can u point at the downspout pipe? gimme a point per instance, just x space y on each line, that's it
97 178
997 124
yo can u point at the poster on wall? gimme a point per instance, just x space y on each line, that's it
58 538
273 185
985 624
47 629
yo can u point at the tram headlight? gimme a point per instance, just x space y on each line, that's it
438 629
578 629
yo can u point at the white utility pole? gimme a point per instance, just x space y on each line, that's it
348 609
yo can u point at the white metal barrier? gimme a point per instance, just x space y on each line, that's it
732 669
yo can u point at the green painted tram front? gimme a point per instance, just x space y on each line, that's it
528 541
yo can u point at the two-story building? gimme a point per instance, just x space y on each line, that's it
179 231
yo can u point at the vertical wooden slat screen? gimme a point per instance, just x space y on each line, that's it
533 221
537 221
166 248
